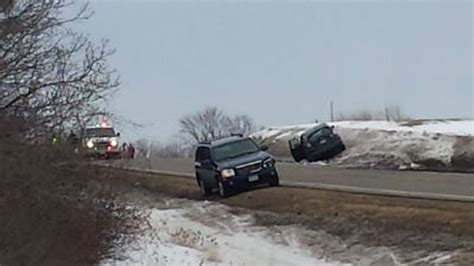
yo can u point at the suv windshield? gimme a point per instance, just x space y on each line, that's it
100 132
235 149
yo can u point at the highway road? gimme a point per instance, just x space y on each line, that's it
430 183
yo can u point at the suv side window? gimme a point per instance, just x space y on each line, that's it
203 153
325 131
314 137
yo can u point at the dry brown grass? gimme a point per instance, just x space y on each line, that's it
51 214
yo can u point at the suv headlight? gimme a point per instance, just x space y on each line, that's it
90 144
226 173
268 162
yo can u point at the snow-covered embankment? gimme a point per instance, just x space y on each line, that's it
418 144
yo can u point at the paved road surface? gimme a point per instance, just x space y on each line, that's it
457 184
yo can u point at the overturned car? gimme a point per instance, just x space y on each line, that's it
316 144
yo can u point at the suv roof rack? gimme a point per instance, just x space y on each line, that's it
232 135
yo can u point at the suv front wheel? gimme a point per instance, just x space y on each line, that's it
274 182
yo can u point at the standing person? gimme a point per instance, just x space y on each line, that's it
131 151
73 140
124 150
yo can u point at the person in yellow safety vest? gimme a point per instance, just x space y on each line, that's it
55 139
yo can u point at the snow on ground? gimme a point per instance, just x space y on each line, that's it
445 127
430 144
397 149
184 232
183 236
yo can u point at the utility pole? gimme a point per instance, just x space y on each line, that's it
332 111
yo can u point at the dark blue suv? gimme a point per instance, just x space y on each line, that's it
232 164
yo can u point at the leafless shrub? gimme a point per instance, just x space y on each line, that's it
172 149
52 78
52 214
212 123
360 116
175 148
390 113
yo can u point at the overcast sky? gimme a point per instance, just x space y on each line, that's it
282 62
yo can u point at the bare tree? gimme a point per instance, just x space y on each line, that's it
394 113
212 123
205 125
242 124
49 74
